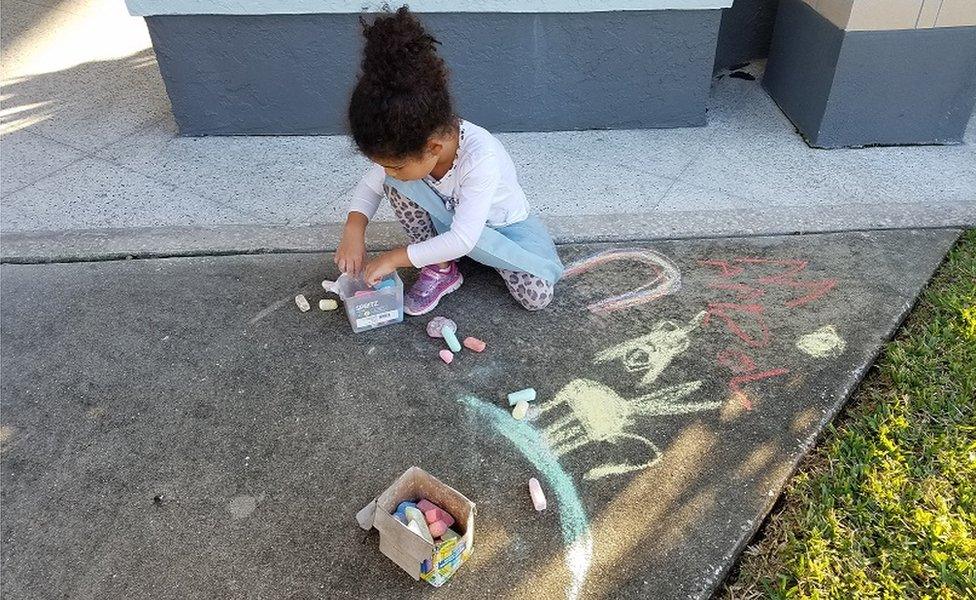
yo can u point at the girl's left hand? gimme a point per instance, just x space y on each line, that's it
384 264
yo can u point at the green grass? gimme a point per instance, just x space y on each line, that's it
885 507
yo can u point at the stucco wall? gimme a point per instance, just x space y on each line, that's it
292 73
746 31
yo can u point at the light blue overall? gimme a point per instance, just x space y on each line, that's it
524 246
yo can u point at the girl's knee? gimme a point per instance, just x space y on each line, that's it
536 300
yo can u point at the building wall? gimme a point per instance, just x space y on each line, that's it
745 32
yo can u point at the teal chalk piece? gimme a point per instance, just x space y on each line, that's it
572 516
451 339
528 394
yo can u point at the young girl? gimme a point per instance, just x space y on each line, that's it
451 183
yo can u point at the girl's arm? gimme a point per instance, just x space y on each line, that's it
476 192
350 256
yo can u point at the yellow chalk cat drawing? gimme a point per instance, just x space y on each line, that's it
599 414
654 351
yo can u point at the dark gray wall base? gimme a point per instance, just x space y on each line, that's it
292 74
745 32
863 88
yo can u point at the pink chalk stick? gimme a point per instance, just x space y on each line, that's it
437 528
424 505
538 498
474 344
447 356
438 514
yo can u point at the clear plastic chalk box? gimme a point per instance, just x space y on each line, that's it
371 307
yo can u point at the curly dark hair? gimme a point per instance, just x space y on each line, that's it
402 96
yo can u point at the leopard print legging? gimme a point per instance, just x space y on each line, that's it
532 292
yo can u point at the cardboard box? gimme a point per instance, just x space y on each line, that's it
434 563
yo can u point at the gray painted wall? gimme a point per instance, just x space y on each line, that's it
746 32
861 88
804 52
911 86
292 74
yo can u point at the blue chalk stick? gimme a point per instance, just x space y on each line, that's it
385 283
528 394
401 510
451 339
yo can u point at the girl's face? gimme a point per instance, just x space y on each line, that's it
439 150
409 168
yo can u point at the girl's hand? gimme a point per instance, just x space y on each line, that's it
350 256
386 263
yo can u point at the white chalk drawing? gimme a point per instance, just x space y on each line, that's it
822 343
653 352
666 280
598 413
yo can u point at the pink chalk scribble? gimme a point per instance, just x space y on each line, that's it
789 277
745 318
666 280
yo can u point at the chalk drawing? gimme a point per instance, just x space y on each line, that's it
736 360
572 516
654 351
597 413
666 280
789 276
735 384
746 318
822 343
755 312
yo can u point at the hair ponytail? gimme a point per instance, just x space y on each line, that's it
402 96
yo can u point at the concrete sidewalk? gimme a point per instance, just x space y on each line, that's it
176 428
92 164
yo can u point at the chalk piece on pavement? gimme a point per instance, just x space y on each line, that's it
451 339
528 394
521 408
538 498
302 303
424 505
328 304
474 344
436 324
447 356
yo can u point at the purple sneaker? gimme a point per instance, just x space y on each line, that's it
432 285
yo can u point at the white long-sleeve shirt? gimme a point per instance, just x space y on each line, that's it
481 188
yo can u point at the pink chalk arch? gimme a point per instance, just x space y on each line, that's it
665 277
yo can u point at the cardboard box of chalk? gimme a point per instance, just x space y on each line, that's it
434 563
371 307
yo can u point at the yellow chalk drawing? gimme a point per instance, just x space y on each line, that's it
600 414
654 351
822 343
